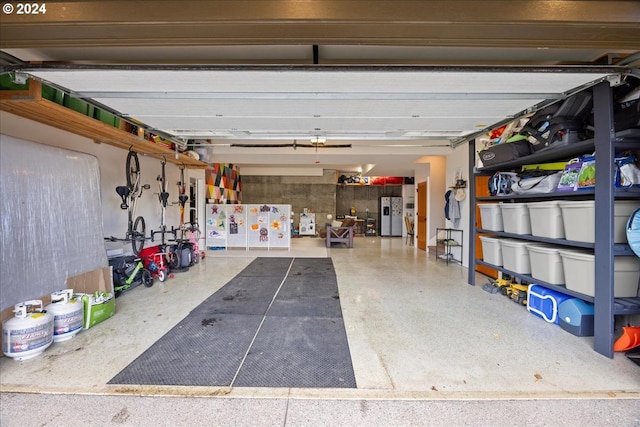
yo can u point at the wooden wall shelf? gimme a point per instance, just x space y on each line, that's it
30 104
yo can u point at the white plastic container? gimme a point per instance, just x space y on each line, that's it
491 251
578 218
546 219
515 218
491 216
546 263
515 256
579 273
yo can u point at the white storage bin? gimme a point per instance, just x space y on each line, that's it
579 273
515 218
491 216
546 263
491 251
515 256
578 218
546 219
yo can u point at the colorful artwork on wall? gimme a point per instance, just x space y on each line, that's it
223 183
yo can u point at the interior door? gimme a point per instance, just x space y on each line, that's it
421 219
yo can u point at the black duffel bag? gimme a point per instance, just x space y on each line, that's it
505 152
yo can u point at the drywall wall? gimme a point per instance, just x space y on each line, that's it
459 161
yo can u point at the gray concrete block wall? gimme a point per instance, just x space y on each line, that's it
316 193
320 194
363 197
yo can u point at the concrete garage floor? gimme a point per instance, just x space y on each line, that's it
427 349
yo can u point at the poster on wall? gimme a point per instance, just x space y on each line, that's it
216 227
247 226
258 220
279 223
236 226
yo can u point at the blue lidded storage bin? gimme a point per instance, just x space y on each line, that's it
576 317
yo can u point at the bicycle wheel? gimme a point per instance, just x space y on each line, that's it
133 172
173 258
137 235
147 278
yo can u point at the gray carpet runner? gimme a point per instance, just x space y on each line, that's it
241 336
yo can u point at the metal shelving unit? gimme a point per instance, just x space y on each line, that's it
450 235
605 143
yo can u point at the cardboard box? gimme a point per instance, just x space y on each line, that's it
95 288
99 280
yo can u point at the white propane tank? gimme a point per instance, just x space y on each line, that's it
29 332
68 314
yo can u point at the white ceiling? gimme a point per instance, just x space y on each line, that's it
392 116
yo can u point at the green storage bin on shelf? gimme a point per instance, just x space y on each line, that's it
106 117
48 92
78 105
52 94
6 83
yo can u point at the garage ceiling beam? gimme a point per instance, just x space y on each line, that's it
518 24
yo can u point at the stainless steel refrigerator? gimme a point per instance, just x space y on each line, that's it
391 216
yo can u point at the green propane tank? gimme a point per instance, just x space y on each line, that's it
68 314
28 333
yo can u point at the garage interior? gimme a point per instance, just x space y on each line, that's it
407 85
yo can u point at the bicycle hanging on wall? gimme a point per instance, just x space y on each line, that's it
182 250
129 194
163 258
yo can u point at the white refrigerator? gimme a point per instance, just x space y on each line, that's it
391 216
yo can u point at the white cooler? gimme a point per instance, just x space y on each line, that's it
579 273
546 263
546 219
515 218
515 255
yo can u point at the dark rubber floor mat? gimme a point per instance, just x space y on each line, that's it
318 267
307 286
299 352
242 295
199 351
302 341
306 307
264 267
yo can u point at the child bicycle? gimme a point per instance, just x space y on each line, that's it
194 233
128 272
129 194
